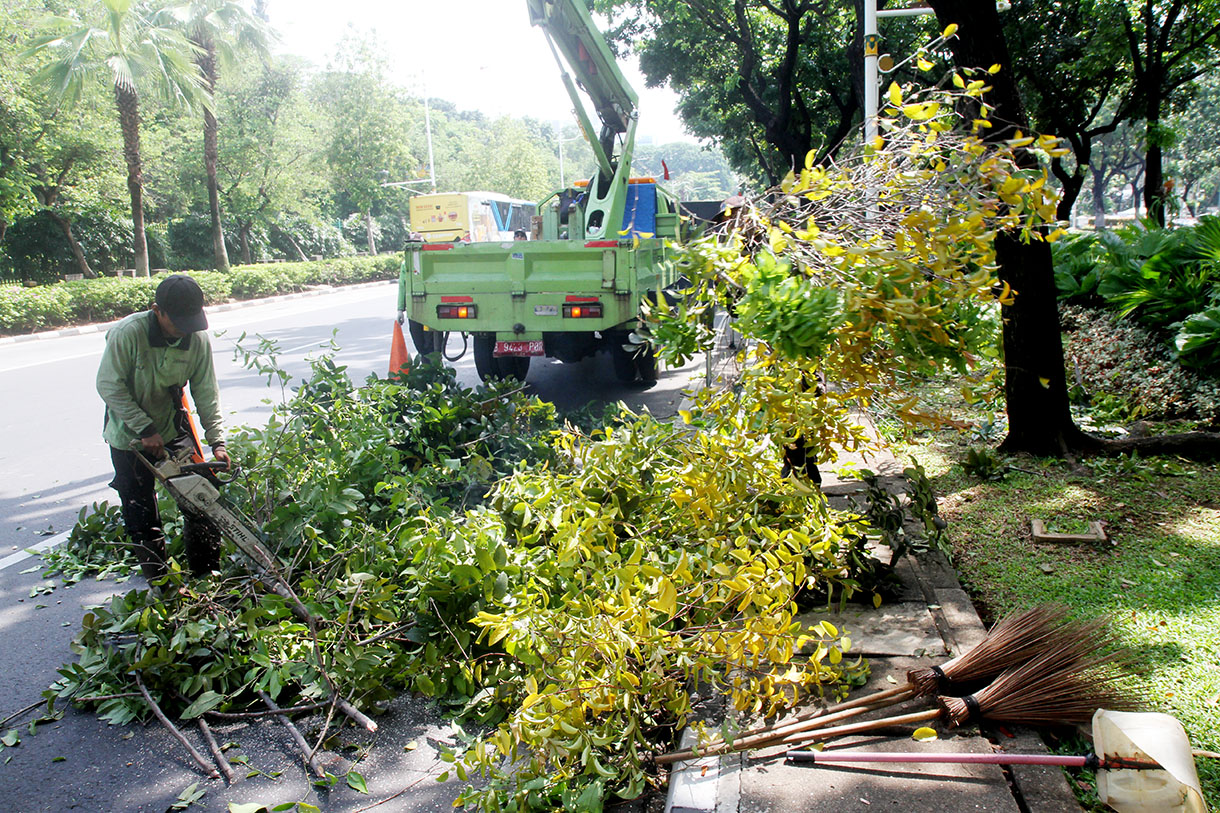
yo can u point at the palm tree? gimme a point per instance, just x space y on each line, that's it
134 48
213 26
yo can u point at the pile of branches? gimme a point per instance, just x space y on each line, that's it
557 583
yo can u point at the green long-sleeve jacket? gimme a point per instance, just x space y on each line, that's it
139 365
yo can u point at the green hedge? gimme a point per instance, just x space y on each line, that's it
26 310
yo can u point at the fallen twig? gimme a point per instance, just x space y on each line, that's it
217 754
391 797
356 714
17 714
297 737
252 715
210 770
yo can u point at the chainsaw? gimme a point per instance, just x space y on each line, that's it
195 487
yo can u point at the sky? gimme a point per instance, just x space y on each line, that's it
478 54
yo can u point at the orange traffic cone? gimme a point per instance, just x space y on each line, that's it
399 357
185 424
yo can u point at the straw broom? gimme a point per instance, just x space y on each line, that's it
1059 687
1011 642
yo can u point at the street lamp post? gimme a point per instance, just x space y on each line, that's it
428 132
872 45
872 50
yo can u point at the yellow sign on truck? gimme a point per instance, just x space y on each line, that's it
469 217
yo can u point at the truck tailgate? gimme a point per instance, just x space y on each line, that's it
519 268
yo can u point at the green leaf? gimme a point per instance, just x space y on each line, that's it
255 807
193 793
356 782
205 702
10 737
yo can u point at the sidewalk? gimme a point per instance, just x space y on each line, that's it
929 620
99 327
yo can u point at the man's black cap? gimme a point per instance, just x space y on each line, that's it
181 298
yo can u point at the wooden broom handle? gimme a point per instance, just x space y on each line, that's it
769 734
867 725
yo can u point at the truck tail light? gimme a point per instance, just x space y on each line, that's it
456 311
585 310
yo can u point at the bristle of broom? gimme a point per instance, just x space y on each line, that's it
1013 641
1060 687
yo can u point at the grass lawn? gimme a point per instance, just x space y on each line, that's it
1158 575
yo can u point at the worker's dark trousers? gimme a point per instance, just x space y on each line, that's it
137 490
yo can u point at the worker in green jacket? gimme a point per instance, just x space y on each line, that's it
149 357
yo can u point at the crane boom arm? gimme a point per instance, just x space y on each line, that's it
571 29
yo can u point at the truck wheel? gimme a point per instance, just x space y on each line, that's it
646 364
484 361
514 367
624 363
492 368
424 340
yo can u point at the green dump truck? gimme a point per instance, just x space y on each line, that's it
574 286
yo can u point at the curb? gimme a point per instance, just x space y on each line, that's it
100 327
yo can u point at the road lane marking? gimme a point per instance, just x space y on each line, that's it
32 550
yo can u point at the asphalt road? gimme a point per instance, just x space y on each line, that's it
53 462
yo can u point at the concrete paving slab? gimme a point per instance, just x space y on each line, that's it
1042 788
957 619
779 787
934 570
904 628
694 785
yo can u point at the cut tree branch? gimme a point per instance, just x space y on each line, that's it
210 770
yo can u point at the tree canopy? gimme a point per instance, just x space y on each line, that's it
300 148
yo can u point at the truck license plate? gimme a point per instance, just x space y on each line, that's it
533 348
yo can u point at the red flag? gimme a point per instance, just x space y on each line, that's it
665 167
399 357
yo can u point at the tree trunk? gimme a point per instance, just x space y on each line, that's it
1073 182
1155 191
1099 199
129 120
1187 188
66 226
292 242
1035 383
368 226
243 236
1201 446
207 65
